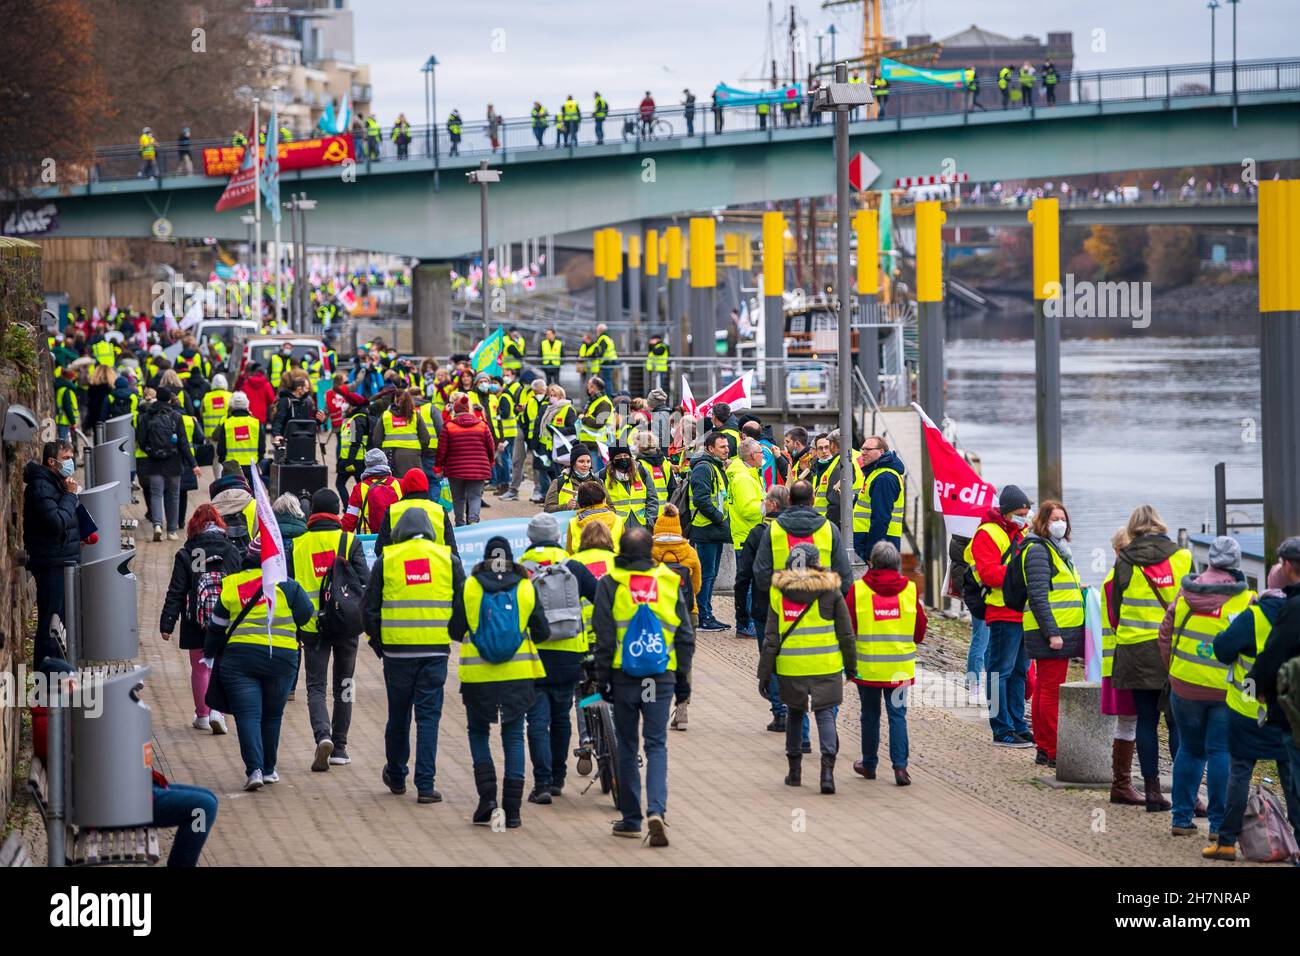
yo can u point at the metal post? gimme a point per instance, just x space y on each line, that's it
1213 5
72 608
930 334
704 282
255 145
842 311
598 240
1221 500
774 307
613 275
483 224
433 99
295 319
651 296
1045 218
56 786
676 288
1279 351
1234 61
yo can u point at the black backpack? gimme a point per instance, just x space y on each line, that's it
119 405
1015 590
162 434
342 592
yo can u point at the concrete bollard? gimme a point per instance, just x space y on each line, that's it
726 579
1083 736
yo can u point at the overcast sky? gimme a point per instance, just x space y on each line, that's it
510 52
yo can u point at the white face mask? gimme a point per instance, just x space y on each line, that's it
1021 521
1057 529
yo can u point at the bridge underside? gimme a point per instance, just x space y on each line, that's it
394 207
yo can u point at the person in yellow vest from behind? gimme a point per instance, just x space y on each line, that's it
414 589
672 550
1198 682
259 660
1253 732
644 636
1147 574
566 588
552 356
241 436
809 646
310 557
888 622
416 494
1118 704
593 506
402 434
499 622
215 407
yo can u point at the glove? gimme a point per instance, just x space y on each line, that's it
607 693
762 689
208 661
376 647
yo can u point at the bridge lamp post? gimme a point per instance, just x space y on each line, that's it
430 114
1212 6
1234 61
483 176
839 98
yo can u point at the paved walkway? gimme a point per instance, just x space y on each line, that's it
970 804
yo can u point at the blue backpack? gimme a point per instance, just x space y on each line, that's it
645 652
498 637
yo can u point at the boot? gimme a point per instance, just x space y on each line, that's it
1154 799
1121 774
679 716
828 773
795 777
512 795
485 781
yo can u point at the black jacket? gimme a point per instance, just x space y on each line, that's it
51 532
1283 644
386 529
1038 586
184 457
602 622
745 572
219 437
412 524
703 469
209 551
288 408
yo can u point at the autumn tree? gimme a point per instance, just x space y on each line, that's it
1117 250
1172 256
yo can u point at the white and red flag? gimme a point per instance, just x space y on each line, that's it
737 394
274 567
960 495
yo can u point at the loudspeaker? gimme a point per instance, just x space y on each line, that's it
300 480
300 442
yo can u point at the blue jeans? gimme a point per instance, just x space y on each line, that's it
257 685
175 806
504 462
1202 751
414 683
607 374
633 718
710 553
1008 667
977 657
543 478
550 725
896 709
512 742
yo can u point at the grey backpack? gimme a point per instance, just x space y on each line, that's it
1266 836
557 592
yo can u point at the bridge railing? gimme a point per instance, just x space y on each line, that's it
675 122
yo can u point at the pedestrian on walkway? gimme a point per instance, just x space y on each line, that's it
258 660
672 550
417 494
408 610
688 110
878 508
1053 617
744 513
641 700
809 646
372 495
402 434
1198 682
311 556
718 108
454 127
775 501
631 490
1118 703
51 535
465 454
531 400
710 527
498 607
160 432
184 160
201 564
800 521
1146 578
888 622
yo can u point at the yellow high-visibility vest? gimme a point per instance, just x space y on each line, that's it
1192 648
418 596
313 556
1141 610
1000 537
783 542
524 665
105 353
659 587
1241 695
1107 632
242 433
599 561
239 588
862 505
1065 596
437 516
628 498
400 432
810 649
426 412
216 404
886 631
551 352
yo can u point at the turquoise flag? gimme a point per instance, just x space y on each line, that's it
486 356
895 71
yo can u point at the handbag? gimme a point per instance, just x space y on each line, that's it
215 697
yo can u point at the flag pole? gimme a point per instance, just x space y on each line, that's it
278 293
257 211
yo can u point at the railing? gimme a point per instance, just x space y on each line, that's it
1098 88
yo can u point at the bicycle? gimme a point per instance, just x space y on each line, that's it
657 129
597 740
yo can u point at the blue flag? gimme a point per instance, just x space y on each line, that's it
271 167
486 356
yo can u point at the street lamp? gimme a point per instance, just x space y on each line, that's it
1234 61
832 31
1212 6
483 176
430 114
840 98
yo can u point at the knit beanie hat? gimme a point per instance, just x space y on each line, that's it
1011 498
543 528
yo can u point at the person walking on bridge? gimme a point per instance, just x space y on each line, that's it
572 117
454 126
598 113
717 109
688 110
539 116
401 135
1004 84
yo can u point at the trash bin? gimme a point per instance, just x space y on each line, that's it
112 462
112 753
121 427
107 601
105 508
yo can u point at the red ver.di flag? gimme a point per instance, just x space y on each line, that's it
274 568
959 494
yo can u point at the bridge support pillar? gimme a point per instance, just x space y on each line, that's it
866 225
598 240
634 341
431 308
1279 355
773 292
614 276
930 335
1046 219
704 295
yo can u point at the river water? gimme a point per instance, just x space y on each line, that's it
1146 413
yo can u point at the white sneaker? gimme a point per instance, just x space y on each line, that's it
340 758
157 532
172 536
254 781
200 723
218 722
272 777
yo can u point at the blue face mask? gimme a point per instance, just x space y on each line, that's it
66 467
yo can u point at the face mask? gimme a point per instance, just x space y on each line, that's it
1057 529
823 458
483 388
66 467
1021 521
496 388
582 474
623 464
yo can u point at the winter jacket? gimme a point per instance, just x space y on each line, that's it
207 551
414 523
704 468
801 521
466 449
291 526
885 582
1038 584
1205 592
214 639
884 492
1138 666
96 402
386 526
380 496
51 531
990 563
184 457
219 437
568 479
191 398
744 501
602 514
118 402
509 698
261 396
745 573
803 586
670 547
341 401
602 622
1246 739
288 409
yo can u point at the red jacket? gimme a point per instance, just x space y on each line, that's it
988 562
888 583
384 490
466 449
338 399
261 396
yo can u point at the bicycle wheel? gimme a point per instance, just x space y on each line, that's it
661 129
608 750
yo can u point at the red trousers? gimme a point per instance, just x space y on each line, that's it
1051 674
